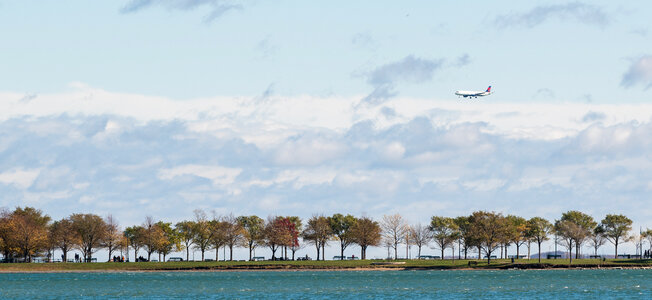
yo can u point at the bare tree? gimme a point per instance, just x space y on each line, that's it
420 236
113 235
394 228
597 239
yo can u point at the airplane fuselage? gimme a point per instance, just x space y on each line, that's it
473 94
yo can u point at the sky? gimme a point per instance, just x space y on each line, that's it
156 108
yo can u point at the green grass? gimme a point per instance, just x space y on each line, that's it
308 265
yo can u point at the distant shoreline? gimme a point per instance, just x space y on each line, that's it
276 266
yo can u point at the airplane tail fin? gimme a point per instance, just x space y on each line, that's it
489 89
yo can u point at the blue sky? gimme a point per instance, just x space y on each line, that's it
299 107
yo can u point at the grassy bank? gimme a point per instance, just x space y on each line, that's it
320 265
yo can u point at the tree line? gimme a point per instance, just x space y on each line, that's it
26 233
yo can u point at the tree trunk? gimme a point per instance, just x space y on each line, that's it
217 253
187 252
616 249
395 251
341 250
250 251
323 251
442 253
363 249
317 246
419 257
539 243
517 251
202 254
230 253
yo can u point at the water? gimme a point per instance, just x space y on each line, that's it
533 284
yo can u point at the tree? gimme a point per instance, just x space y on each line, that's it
91 230
585 225
647 235
28 231
113 236
518 232
444 232
341 228
616 229
318 231
568 231
597 239
464 237
295 227
420 236
202 236
489 229
169 241
232 234
152 236
274 234
394 228
135 236
538 230
186 233
217 237
253 234
366 232
63 236
5 234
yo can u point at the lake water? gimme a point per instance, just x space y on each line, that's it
538 284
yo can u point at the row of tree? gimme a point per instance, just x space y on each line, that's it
27 232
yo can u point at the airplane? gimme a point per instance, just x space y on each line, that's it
474 94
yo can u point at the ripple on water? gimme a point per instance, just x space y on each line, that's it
541 284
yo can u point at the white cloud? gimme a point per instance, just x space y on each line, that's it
640 72
19 177
88 148
219 175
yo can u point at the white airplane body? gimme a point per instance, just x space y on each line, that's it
474 94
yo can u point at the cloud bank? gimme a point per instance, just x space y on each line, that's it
90 150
